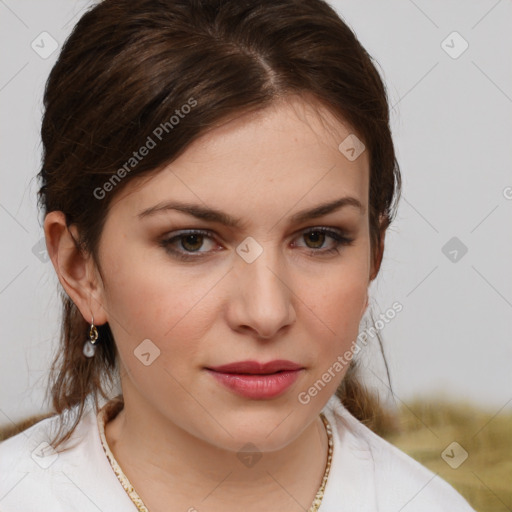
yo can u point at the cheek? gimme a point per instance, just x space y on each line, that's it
334 327
338 296
337 314
333 307
150 301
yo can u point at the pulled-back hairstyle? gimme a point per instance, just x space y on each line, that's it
131 66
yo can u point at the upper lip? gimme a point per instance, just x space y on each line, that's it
254 367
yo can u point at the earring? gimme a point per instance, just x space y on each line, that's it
89 345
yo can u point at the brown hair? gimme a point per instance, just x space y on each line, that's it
129 66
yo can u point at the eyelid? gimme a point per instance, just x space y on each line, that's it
339 236
211 234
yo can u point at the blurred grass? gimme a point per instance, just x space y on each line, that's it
426 428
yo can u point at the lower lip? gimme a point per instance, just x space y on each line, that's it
258 387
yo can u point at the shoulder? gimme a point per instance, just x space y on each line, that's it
24 461
27 443
392 478
76 476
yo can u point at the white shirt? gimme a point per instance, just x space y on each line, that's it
368 474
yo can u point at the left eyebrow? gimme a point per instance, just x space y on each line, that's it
326 208
214 215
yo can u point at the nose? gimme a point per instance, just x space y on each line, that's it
262 300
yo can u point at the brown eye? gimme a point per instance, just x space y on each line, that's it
191 242
317 238
185 244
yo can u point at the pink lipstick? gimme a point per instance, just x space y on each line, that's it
256 380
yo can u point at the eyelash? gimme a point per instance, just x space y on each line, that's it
339 239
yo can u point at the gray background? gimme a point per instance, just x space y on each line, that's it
451 121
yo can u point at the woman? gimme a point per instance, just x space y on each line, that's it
217 182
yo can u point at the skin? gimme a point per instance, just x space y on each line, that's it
178 436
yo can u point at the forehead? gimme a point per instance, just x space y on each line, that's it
284 157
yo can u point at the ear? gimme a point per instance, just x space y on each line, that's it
76 271
365 305
375 266
378 253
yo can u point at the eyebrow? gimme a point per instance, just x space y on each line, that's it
220 217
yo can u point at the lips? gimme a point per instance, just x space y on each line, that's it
257 381
256 368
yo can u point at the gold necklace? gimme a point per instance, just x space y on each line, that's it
111 409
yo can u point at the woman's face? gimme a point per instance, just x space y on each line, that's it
273 287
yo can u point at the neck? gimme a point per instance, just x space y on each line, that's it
173 466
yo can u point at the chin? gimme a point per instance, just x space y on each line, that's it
268 428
